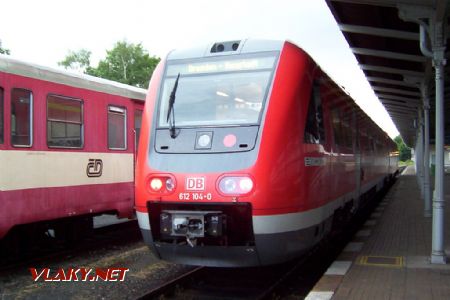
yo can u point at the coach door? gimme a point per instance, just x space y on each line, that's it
2 113
137 128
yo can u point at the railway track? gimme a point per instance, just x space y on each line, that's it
272 282
219 283
243 283
49 250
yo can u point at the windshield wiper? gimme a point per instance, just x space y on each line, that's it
171 112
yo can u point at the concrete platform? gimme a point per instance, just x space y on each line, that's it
389 258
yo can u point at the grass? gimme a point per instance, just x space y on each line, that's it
405 163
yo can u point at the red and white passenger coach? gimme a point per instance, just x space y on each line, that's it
67 146
249 154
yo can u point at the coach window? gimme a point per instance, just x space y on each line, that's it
117 128
1 116
64 122
314 129
21 118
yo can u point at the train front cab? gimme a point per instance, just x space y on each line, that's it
268 186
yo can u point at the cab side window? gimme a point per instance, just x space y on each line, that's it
21 118
314 128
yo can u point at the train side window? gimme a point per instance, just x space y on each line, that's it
1 116
347 131
117 128
21 118
337 129
64 122
137 126
314 128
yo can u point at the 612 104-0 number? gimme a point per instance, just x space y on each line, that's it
194 196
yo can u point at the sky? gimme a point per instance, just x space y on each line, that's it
44 31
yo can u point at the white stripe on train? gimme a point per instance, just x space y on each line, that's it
23 169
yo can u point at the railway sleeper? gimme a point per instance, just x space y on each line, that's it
24 239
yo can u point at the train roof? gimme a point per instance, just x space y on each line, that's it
227 48
21 68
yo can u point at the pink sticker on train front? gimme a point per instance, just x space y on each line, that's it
195 183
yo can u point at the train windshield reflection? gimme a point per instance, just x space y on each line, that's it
221 92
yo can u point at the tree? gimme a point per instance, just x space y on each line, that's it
404 151
126 63
4 50
78 60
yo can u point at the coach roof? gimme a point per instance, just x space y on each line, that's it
17 67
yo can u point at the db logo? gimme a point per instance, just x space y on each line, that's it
195 183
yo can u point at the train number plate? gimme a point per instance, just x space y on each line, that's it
194 196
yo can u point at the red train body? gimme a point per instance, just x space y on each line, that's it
253 157
67 145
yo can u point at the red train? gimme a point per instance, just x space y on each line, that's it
67 147
249 153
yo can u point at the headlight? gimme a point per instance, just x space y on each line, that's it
156 184
235 185
161 184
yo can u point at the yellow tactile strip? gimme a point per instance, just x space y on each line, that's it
330 281
381 261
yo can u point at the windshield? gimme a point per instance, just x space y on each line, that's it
217 92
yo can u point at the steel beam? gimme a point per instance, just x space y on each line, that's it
390 81
390 70
400 116
426 152
419 149
403 115
396 91
376 31
388 54
398 104
400 98
411 109
438 254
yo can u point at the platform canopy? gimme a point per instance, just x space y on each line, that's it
384 36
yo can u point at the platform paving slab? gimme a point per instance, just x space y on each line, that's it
393 261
